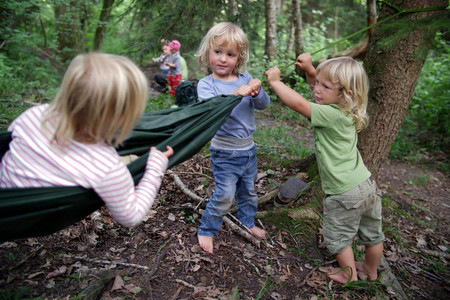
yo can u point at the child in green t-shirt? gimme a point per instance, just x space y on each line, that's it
352 205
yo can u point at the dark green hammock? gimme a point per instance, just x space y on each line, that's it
31 212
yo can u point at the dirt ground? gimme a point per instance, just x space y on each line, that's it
160 259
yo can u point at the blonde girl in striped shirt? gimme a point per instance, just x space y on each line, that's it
72 140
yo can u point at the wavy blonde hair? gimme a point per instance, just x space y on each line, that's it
353 83
231 34
101 98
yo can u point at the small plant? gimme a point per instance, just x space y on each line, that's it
419 180
193 218
236 294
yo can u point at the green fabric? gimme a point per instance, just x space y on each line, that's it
184 69
340 164
30 212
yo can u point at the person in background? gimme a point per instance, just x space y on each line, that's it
224 52
72 140
162 78
174 64
352 205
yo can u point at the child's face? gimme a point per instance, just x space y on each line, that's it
166 50
223 58
326 92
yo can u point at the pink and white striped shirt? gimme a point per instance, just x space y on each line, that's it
35 160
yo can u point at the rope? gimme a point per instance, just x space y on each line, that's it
399 12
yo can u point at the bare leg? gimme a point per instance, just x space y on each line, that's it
258 232
347 272
372 260
206 243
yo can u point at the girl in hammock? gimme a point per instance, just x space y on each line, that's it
71 141
224 52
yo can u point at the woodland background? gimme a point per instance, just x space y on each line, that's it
406 56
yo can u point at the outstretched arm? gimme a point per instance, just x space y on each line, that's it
305 63
291 98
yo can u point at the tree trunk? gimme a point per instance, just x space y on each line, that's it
371 15
69 32
103 24
393 75
271 29
298 28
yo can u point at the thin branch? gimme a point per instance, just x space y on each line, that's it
105 262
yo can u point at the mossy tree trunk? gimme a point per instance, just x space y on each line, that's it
393 73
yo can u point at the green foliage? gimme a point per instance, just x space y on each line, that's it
426 128
402 28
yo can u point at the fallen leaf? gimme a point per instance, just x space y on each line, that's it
35 274
421 242
118 284
6 245
275 296
132 288
59 271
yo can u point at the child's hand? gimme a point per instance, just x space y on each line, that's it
167 153
255 85
273 74
305 62
243 90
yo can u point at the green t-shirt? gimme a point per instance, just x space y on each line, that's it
340 164
184 69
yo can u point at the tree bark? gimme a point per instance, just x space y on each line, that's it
103 24
371 15
298 28
271 29
68 28
393 75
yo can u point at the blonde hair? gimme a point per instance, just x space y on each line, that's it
353 84
230 34
101 98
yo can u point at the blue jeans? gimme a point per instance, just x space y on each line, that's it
235 173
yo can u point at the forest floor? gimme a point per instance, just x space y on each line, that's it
98 259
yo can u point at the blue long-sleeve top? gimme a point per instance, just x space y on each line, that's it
241 123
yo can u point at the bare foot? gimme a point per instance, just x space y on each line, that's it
362 268
206 243
338 275
258 232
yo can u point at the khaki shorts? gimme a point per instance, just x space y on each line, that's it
354 213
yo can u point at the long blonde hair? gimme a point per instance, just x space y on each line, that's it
101 98
230 34
353 83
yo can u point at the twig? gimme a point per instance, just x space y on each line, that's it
436 253
105 262
196 173
185 283
33 253
184 188
242 232
177 293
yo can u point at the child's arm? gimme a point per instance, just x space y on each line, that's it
291 98
305 63
129 204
